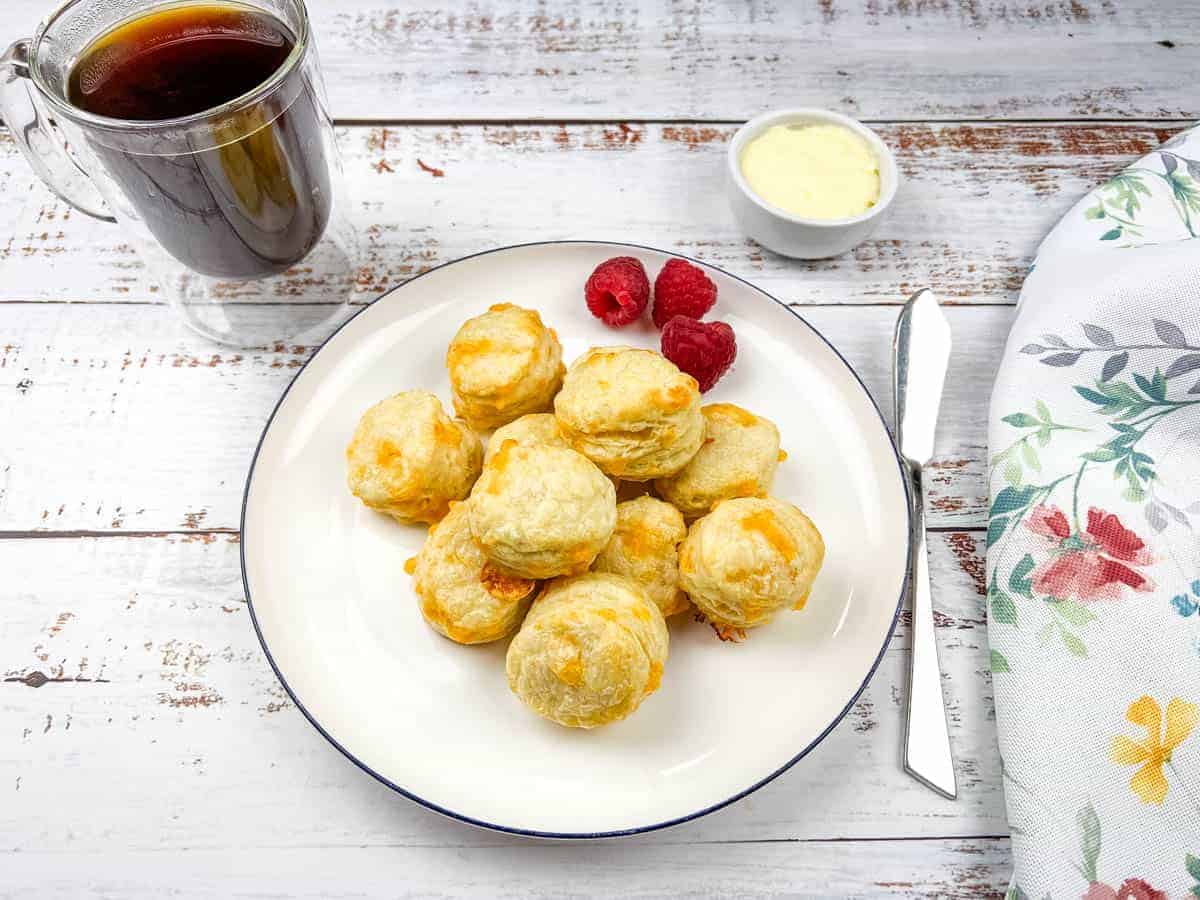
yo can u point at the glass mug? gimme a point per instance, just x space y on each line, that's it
228 207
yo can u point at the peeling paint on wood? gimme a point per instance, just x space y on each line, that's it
519 59
62 619
643 181
970 560
184 680
157 665
185 438
954 868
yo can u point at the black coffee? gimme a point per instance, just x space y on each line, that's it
256 200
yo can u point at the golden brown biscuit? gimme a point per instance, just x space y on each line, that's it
631 412
462 595
737 459
409 459
542 428
748 559
539 511
645 549
503 364
533 428
590 650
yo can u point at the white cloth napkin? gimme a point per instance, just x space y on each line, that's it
1094 544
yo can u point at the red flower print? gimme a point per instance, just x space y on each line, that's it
1049 521
1136 889
1131 889
1094 564
1117 540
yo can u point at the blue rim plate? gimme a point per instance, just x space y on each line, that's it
435 721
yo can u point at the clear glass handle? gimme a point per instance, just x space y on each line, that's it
43 148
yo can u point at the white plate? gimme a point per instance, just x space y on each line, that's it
434 720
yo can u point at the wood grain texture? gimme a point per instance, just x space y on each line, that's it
949 869
170 422
975 202
705 59
137 705
149 749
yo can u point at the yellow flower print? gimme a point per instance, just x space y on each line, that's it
1154 752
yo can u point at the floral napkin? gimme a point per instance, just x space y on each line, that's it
1094 544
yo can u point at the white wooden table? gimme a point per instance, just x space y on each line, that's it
145 746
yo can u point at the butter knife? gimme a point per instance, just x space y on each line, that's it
920 354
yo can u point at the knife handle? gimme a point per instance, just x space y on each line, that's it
927 754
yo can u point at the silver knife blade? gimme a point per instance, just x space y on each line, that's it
922 353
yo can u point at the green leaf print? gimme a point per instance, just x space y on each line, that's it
1074 644
1089 840
1018 579
1013 473
1126 402
999 664
1156 388
1030 457
1021 455
1193 867
1011 500
996 526
1073 613
1021 420
1004 610
1095 396
1136 408
1119 200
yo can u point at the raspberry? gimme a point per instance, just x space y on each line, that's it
682 289
617 291
705 350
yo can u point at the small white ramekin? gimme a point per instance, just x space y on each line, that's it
797 236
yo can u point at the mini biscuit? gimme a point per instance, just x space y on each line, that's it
645 549
631 412
533 428
542 428
539 511
748 559
737 459
462 595
409 459
503 364
590 651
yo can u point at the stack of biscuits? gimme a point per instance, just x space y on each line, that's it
530 538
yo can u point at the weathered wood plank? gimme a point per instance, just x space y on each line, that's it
975 203
118 418
133 685
951 869
702 59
